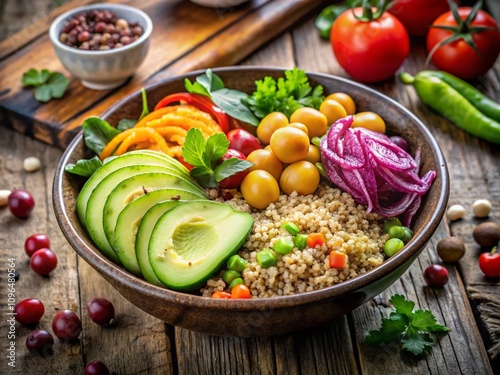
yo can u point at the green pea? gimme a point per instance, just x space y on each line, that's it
236 281
291 228
283 246
392 246
236 263
403 233
300 241
230 275
266 258
390 223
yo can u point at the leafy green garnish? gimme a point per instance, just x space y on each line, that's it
84 167
204 156
97 133
127 123
47 84
409 328
325 19
286 95
229 100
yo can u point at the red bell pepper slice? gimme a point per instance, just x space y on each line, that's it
201 102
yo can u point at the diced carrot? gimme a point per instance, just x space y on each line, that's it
315 239
240 291
337 259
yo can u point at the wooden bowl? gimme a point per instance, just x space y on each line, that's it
265 316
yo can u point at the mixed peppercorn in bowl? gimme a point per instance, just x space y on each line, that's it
306 258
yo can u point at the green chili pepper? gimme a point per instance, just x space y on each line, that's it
484 104
450 103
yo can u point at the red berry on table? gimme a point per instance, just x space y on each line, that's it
29 311
436 275
66 325
40 341
490 263
36 242
21 203
101 311
96 368
43 261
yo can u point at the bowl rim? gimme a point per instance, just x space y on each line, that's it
389 266
59 21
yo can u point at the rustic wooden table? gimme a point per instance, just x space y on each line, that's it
140 344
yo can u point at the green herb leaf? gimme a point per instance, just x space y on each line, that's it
326 18
97 133
230 167
194 148
195 88
84 167
145 109
126 123
231 102
204 176
216 146
48 85
410 328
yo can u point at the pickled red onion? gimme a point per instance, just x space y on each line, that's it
374 170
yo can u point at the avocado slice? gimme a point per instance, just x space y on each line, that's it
144 234
133 187
191 241
95 215
130 217
145 157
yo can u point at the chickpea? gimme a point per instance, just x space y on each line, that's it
267 161
269 124
455 212
481 208
301 176
333 110
344 99
315 121
289 144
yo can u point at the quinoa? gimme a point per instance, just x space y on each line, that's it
346 226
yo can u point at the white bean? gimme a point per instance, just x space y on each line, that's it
481 208
455 212
31 164
4 197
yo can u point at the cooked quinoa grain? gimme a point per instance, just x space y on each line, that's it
346 226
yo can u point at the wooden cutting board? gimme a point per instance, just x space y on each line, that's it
186 37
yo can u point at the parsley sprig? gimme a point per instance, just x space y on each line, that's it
47 84
204 155
410 328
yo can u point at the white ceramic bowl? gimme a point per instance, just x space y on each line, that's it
219 3
103 69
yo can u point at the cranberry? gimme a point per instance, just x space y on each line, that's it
36 242
43 261
29 311
40 341
436 275
66 325
96 368
21 203
101 311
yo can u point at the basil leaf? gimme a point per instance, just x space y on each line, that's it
97 133
196 88
204 176
216 147
84 167
230 101
126 123
230 167
194 148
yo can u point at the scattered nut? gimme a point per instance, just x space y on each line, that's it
487 234
455 212
31 164
481 208
451 249
4 197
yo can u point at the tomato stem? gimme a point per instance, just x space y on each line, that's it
368 14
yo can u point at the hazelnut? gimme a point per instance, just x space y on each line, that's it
481 208
455 212
487 234
451 249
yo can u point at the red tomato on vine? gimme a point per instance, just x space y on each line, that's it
464 41
369 44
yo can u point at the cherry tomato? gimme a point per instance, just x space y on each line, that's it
370 121
458 57
269 124
417 15
234 181
243 141
240 291
289 144
490 263
223 295
370 51
333 110
265 160
301 176
260 189
344 99
315 121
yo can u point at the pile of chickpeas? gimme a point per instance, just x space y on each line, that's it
99 30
